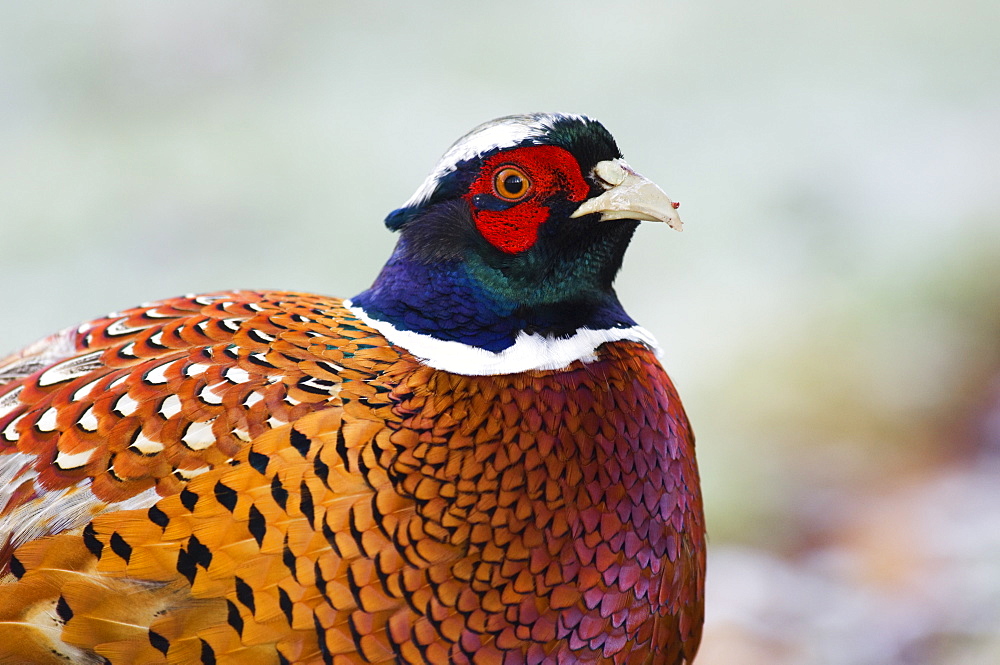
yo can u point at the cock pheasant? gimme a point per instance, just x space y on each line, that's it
479 459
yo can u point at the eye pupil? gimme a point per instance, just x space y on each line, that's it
513 184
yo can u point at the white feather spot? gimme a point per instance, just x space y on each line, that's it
188 474
125 406
88 421
85 390
195 369
146 446
69 461
199 435
291 401
118 382
119 328
170 406
236 375
209 394
252 399
71 369
47 421
10 431
158 375
275 421
241 434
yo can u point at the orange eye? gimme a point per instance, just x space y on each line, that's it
511 183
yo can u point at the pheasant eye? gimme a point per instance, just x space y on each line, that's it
511 183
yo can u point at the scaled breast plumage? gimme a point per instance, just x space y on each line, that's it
267 477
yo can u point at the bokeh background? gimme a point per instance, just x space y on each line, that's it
831 312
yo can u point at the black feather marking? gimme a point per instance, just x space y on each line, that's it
355 588
63 610
207 653
288 558
199 553
158 517
355 633
300 442
379 517
95 546
282 660
259 359
320 580
383 575
155 345
331 538
234 618
258 461
186 565
322 470
285 603
159 642
16 567
342 449
244 594
321 640
226 496
120 547
189 499
279 493
352 522
260 336
256 524
329 367
315 386
363 470
306 504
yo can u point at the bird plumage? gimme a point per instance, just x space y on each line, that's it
477 460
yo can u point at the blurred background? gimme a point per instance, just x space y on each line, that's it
831 312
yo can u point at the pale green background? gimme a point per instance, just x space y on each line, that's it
830 313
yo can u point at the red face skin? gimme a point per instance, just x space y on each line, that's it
547 170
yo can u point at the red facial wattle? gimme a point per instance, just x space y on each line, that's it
549 171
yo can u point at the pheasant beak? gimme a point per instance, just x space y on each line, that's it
629 196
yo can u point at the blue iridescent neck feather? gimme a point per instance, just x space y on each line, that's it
485 299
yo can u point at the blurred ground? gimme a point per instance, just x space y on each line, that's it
830 312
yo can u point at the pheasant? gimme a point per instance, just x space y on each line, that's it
479 459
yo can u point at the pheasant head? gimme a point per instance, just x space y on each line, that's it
515 238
